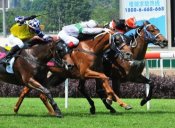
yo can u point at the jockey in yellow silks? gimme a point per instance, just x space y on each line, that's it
24 29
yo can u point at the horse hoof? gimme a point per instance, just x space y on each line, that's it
92 111
59 115
128 107
112 111
143 102
15 110
109 101
52 113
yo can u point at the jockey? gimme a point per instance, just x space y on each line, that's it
123 25
69 34
24 29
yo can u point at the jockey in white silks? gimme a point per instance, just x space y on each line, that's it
69 34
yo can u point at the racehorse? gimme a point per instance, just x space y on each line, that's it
145 34
148 33
28 66
92 50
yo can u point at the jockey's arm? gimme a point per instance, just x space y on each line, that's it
92 30
20 19
42 35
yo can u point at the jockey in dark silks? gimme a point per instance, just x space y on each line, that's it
124 26
23 30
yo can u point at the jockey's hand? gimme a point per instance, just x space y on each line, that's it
21 21
47 38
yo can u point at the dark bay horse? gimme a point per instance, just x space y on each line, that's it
92 50
148 33
28 67
145 34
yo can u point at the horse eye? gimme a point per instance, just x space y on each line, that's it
151 30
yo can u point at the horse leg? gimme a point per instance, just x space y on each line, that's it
34 84
81 88
110 93
24 92
151 84
52 80
101 93
46 103
116 86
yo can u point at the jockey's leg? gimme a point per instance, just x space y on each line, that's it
17 45
71 43
11 53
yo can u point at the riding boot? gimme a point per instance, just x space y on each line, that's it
10 54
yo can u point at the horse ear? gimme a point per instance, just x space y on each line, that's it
146 22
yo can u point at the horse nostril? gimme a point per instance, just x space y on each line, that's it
165 42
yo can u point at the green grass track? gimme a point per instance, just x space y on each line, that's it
33 114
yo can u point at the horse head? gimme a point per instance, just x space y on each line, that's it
152 34
119 54
119 45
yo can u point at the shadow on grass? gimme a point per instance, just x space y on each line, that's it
25 115
147 112
78 114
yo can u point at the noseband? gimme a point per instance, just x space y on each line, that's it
148 35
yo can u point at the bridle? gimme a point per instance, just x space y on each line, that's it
148 36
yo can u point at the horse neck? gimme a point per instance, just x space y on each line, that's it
140 50
43 52
97 45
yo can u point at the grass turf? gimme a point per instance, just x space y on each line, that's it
33 114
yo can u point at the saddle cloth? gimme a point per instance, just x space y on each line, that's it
9 68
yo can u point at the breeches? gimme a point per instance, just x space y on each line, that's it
15 41
67 38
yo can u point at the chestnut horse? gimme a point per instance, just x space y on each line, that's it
145 34
92 50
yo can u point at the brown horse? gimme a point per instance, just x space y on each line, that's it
28 67
92 50
145 34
